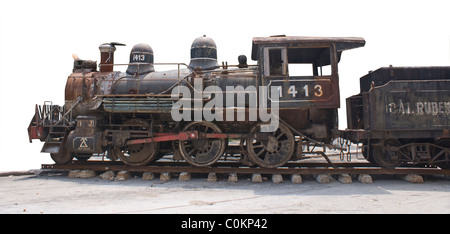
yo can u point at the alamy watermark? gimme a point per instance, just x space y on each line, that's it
192 109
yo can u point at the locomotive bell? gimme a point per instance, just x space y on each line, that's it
204 54
141 59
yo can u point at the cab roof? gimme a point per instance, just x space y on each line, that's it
342 43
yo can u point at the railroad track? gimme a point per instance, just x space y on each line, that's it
291 168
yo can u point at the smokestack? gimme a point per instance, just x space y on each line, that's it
107 56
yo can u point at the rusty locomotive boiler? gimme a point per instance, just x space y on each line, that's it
202 112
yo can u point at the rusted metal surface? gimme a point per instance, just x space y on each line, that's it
79 84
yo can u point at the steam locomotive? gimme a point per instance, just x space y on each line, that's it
264 115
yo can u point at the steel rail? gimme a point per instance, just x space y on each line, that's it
251 170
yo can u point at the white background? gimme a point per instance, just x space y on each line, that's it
37 39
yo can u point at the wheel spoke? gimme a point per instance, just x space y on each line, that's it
282 134
260 152
258 146
191 152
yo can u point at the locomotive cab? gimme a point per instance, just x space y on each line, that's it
305 72
306 68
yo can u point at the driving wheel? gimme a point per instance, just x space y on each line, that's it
204 151
137 154
270 149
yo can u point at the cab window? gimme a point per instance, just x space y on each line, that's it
306 62
275 62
